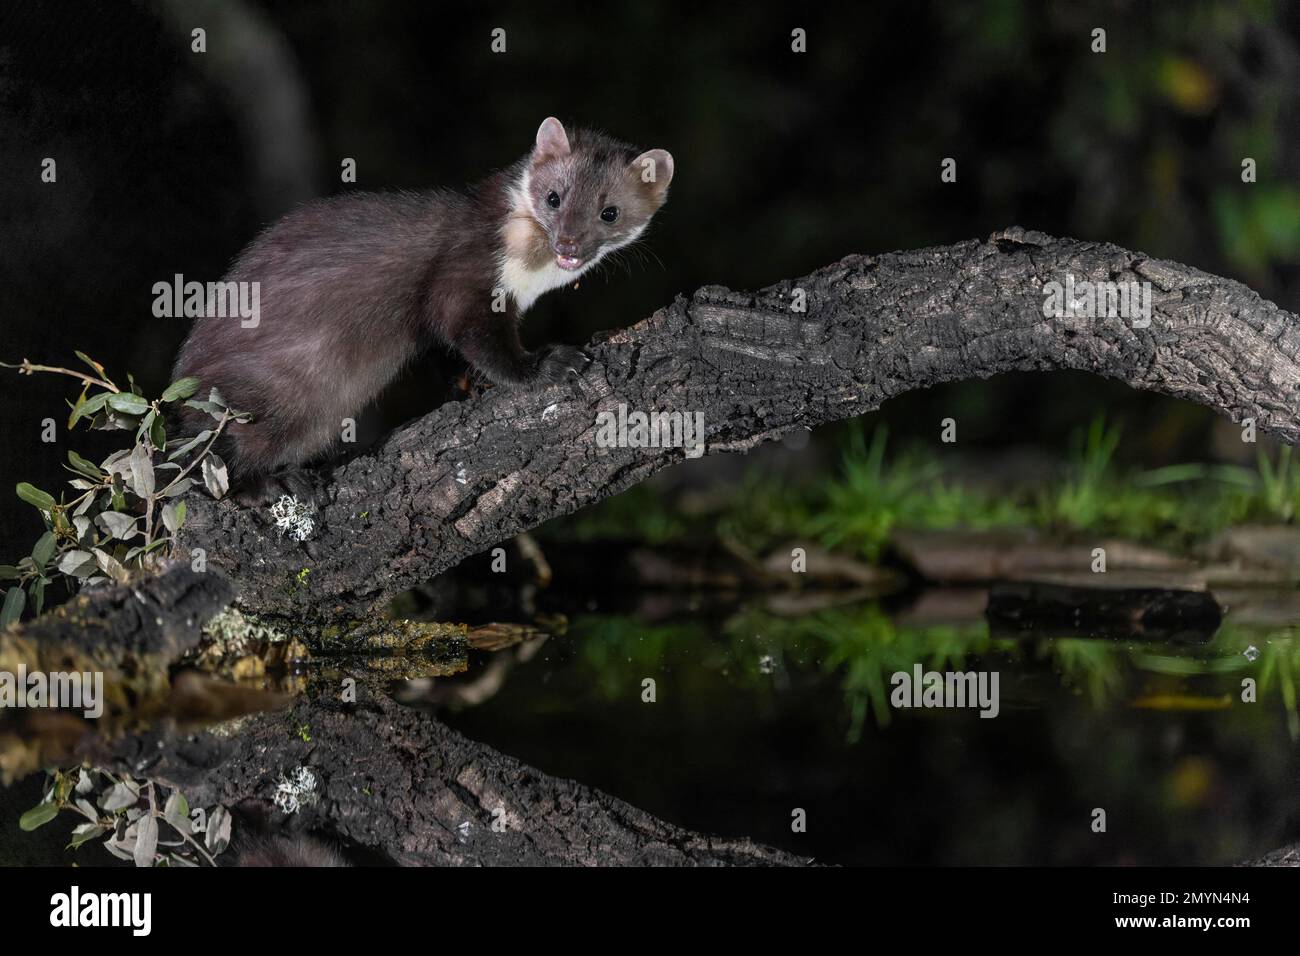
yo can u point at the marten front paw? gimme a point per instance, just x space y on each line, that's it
560 363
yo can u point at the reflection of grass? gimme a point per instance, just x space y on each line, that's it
867 648
872 494
1278 663
1086 663
860 644
863 647
1280 657
612 646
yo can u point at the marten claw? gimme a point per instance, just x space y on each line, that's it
561 363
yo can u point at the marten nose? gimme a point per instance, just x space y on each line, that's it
566 246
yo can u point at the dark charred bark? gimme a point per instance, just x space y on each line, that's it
403 787
471 474
158 617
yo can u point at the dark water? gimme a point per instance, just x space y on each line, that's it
757 714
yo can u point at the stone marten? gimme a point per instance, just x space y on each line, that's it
353 288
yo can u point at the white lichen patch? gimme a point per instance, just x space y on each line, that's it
295 790
233 632
294 518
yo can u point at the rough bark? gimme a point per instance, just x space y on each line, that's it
407 789
158 617
471 474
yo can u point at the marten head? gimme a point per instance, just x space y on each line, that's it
591 194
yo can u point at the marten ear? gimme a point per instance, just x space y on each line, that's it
552 141
653 171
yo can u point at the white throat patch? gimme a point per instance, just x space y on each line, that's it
524 284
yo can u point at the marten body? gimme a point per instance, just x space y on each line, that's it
299 849
353 288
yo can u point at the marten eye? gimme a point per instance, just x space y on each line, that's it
609 214
553 199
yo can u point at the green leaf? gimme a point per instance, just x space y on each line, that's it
13 607
142 480
81 399
38 816
178 488
124 794
111 566
113 459
173 515
85 783
194 442
117 525
128 403
34 496
9 573
181 388
214 475
87 831
217 835
99 369
158 434
37 589
86 468
146 840
77 564
177 812
43 550
89 408
212 408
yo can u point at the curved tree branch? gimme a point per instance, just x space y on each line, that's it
471 474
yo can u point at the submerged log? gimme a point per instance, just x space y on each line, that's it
1115 610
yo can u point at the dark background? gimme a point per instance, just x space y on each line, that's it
170 161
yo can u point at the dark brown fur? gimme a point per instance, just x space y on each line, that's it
284 850
353 288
